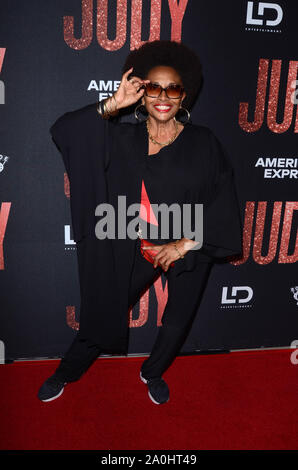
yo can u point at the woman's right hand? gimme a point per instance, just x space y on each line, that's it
127 93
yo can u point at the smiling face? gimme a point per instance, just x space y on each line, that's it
163 109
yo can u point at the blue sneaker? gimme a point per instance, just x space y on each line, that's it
158 390
51 389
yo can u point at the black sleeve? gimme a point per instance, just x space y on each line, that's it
81 138
222 226
60 134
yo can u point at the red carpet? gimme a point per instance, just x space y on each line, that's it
245 400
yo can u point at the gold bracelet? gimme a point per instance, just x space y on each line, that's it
104 110
109 109
101 109
181 256
116 104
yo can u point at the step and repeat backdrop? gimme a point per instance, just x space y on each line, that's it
60 55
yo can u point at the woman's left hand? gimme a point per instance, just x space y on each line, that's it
167 253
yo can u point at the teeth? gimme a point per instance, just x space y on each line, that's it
163 107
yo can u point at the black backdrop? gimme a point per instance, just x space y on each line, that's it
45 71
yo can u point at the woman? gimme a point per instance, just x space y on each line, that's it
158 160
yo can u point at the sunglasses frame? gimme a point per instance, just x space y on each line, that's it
163 89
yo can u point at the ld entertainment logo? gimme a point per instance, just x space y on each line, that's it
239 295
69 243
263 11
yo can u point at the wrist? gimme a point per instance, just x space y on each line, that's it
185 245
180 247
111 105
116 101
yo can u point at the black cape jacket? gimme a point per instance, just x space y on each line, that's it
104 159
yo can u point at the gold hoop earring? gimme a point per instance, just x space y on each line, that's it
140 109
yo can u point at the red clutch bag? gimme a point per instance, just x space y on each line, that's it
149 254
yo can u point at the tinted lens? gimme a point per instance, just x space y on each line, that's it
174 91
153 90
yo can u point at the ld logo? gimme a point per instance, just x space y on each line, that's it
261 9
225 299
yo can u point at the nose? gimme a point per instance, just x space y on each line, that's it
163 95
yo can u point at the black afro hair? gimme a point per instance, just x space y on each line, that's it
173 54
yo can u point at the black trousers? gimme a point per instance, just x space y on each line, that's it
185 293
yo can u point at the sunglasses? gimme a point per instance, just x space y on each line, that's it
153 90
